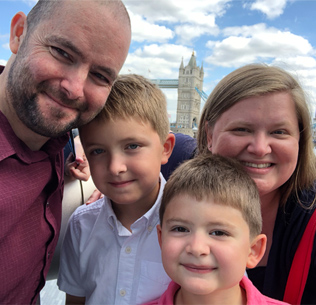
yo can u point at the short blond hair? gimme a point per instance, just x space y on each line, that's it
258 80
137 97
220 179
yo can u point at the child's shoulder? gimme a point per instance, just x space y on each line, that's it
89 211
254 296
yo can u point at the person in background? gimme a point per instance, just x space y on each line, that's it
184 149
258 114
110 254
209 232
65 58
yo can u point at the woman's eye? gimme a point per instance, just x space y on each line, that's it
280 132
241 129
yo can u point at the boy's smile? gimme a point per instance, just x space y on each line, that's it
205 245
125 157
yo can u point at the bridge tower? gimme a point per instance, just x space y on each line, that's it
189 100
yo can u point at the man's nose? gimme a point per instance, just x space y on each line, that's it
74 82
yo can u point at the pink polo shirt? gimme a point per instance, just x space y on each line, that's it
254 297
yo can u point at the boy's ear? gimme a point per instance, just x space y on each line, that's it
168 148
159 234
257 250
18 25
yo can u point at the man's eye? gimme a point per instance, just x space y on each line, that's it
101 77
60 52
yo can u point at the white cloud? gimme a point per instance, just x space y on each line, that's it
143 30
163 61
176 11
256 43
271 8
191 19
206 25
3 62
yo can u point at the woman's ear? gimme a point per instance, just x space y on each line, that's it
257 250
209 134
18 26
168 148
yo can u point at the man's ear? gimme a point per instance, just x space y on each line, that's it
257 250
159 234
168 148
18 25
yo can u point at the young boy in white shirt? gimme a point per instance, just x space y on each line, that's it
110 253
209 233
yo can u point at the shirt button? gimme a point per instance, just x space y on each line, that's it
128 250
150 228
122 292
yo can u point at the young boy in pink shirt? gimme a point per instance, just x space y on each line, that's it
209 233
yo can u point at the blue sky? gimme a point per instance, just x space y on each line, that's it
224 34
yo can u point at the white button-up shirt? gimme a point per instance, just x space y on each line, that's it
106 263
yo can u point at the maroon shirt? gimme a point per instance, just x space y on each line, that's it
31 187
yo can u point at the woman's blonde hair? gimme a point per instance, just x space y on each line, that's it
257 80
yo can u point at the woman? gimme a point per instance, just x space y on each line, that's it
258 114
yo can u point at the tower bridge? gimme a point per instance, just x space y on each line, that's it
190 92
166 83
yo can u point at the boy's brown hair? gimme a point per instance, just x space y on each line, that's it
137 97
221 179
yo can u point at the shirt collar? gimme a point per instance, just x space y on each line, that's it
150 218
11 144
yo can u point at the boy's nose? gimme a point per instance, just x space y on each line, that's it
198 245
117 166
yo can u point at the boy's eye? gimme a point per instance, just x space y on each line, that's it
218 233
180 229
132 146
97 151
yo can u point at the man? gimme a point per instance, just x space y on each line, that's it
66 56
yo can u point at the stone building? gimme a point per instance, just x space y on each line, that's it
189 101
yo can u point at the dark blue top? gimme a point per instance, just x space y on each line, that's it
290 225
184 149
